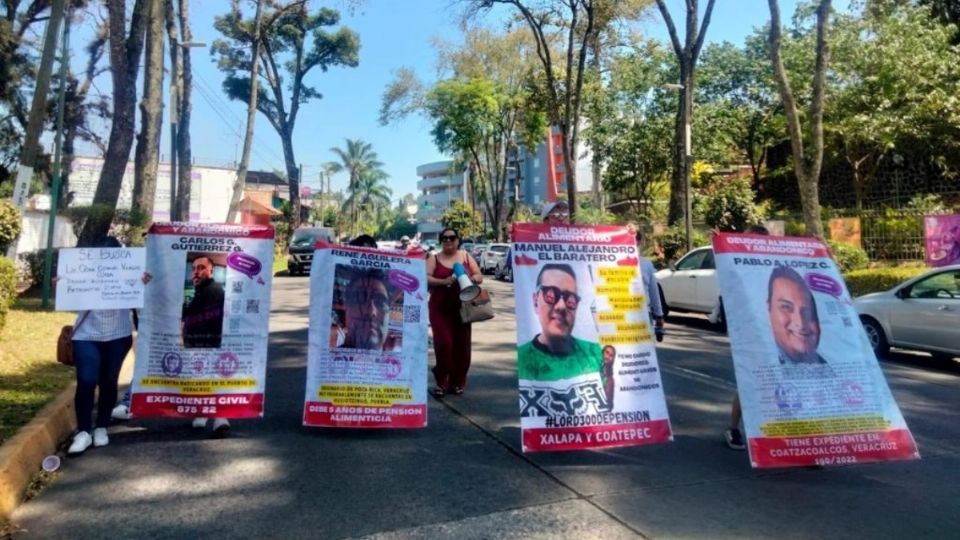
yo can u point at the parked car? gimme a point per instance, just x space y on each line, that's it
504 269
690 284
478 250
922 313
491 257
300 248
467 246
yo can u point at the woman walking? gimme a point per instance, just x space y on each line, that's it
451 336
101 340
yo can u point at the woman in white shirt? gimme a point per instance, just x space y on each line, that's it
101 340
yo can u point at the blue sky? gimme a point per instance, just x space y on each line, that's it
390 38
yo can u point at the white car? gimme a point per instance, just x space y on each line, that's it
492 256
690 284
922 313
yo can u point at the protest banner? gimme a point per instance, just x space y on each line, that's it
810 387
99 278
367 356
202 345
586 363
942 237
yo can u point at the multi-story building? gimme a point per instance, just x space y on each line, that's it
541 172
440 185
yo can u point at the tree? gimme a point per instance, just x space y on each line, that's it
183 81
687 54
125 51
370 196
287 57
147 154
463 219
356 159
572 22
948 12
806 163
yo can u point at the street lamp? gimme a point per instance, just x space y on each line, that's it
687 162
175 119
412 212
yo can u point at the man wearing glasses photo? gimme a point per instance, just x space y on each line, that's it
554 354
366 306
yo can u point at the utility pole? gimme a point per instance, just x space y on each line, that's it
31 140
323 208
174 117
57 145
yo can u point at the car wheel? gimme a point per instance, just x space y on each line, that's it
291 270
722 318
663 301
875 335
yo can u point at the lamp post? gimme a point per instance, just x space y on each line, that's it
412 212
686 164
175 119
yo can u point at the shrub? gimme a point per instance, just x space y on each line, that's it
848 257
9 225
673 242
731 207
869 280
8 288
34 261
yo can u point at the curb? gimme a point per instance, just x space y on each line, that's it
21 455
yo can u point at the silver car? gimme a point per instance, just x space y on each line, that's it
491 257
922 313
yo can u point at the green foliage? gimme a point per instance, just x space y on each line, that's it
869 280
10 224
673 242
893 234
594 216
730 206
848 257
464 219
8 288
34 261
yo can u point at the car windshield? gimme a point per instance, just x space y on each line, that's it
306 237
499 249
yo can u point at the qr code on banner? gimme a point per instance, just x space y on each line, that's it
237 287
411 314
235 325
236 306
253 306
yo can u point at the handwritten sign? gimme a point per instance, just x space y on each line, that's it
100 278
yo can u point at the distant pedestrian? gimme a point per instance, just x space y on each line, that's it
555 213
650 287
101 340
451 336
364 240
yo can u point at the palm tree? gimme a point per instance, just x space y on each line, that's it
371 192
356 159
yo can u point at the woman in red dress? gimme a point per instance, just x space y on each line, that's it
451 336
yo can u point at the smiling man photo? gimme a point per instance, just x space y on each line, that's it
793 318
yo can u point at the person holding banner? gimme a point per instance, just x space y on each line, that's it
101 340
650 287
451 336
556 213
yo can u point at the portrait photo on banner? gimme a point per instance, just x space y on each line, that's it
367 310
201 322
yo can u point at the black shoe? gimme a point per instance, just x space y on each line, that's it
734 439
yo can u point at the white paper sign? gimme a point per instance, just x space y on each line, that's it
100 278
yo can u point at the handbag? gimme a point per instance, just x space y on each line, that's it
65 342
477 310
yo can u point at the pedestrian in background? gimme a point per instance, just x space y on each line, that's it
650 287
451 336
101 340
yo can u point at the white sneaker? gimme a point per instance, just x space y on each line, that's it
100 437
199 423
220 426
121 412
81 441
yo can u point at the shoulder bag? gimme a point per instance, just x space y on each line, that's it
65 342
480 308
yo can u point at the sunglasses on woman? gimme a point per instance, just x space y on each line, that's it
448 238
552 294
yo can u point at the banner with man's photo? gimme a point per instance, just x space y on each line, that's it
942 238
586 361
367 356
202 344
810 386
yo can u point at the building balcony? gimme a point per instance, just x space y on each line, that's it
439 182
436 168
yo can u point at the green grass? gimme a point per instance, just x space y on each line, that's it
30 376
279 263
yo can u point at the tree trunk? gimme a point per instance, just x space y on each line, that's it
147 153
293 176
185 87
238 186
124 65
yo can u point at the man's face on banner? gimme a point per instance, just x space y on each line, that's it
202 270
556 304
367 306
794 321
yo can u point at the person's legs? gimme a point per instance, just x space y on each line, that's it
87 362
732 435
461 357
736 414
443 343
113 354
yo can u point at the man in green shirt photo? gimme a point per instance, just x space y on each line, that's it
554 354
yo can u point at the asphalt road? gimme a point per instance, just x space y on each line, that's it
465 477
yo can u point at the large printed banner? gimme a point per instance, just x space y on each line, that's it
367 360
587 365
202 348
100 278
942 235
811 389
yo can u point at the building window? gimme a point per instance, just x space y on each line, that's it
536 163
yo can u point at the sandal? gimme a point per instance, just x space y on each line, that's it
438 392
457 391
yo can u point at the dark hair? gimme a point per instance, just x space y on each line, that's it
207 257
611 347
364 240
374 274
758 229
789 274
450 229
565 268
105 241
